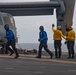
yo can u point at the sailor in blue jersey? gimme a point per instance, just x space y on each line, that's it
43 42
10 41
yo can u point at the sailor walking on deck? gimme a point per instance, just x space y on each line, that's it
43 42
10 41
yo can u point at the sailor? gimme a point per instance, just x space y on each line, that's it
43 42
70 40
10 41
57 36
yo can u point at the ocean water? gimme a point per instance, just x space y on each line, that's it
31 46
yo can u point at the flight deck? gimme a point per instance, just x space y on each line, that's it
27 64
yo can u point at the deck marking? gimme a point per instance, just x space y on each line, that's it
42 59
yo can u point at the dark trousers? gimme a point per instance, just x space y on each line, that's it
44 45
57 46
70 46
12 44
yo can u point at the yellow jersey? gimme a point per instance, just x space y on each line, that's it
70 35
57 34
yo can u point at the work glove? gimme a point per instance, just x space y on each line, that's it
65 42
5 37
53 25
39 40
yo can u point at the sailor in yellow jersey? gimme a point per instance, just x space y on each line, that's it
57 40
70 41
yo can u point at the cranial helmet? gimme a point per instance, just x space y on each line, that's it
58 27
41 28
6 26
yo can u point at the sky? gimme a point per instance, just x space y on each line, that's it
28 26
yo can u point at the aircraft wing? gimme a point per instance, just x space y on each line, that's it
29 8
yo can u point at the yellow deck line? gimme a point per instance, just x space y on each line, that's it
42 59
50 60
